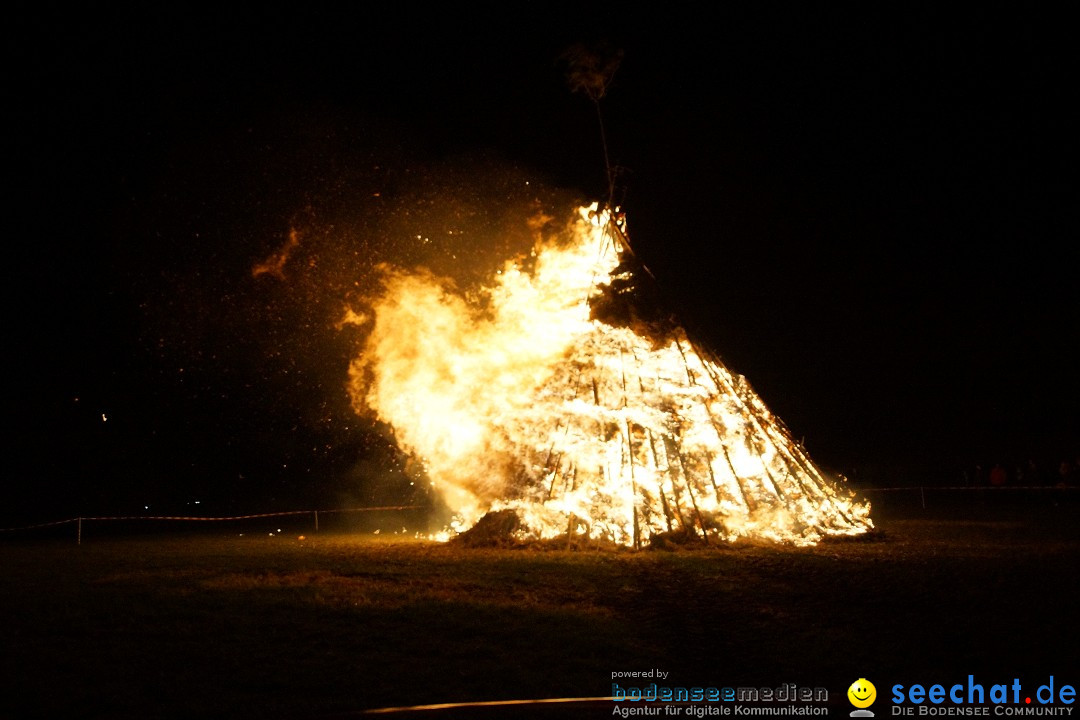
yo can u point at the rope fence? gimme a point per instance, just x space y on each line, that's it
78 521
921 489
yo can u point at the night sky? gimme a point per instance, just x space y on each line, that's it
872 215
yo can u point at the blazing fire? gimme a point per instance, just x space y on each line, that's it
550 394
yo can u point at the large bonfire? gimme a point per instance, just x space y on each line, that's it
559 396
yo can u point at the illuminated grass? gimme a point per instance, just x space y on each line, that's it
263 626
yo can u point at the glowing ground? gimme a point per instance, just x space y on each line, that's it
259 626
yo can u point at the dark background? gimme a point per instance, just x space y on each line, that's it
869 213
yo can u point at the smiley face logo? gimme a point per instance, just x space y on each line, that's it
862 693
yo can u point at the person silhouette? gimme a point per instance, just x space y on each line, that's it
998 475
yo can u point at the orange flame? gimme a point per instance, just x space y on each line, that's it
521 398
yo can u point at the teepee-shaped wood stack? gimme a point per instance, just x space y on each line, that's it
565 400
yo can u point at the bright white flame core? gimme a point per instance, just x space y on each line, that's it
516 399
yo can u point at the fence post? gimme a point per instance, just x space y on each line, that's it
78 531
316 521
922 494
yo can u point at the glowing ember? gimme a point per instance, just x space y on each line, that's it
548 394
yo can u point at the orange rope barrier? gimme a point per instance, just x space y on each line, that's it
197 518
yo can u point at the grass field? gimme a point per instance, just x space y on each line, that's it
261 626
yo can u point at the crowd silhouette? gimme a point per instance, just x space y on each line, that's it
1027 473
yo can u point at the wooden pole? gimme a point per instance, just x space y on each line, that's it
693 501
659 482
633 485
